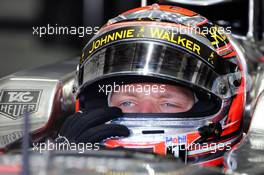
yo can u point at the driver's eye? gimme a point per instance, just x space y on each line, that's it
171 105
127 104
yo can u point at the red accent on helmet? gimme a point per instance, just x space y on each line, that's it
77 105
167 8
210 163
4 169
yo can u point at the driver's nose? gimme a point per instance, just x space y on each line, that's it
148 106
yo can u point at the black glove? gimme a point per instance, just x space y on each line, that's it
90 127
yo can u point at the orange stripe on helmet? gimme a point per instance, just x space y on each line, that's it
77 105
212 163
168 8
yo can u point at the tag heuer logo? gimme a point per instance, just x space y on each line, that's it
15 103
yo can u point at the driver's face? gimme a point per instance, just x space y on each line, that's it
172 99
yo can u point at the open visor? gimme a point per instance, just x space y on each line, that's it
153 59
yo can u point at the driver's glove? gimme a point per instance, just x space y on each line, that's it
90 126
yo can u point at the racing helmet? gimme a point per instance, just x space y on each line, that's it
170 45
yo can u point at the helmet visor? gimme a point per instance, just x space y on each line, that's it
151 58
